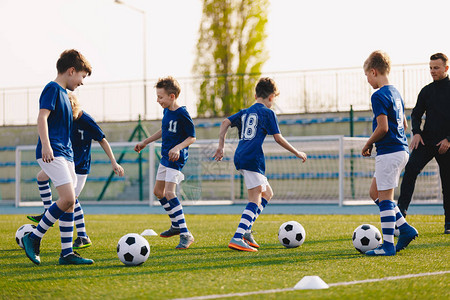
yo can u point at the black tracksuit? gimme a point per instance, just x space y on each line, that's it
434 101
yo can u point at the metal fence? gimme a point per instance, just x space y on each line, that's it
306 91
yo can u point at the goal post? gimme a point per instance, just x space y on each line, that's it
335 173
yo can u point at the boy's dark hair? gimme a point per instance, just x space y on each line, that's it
170 85
73 58
265 87
378 60
439 55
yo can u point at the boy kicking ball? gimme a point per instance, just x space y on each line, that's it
389 125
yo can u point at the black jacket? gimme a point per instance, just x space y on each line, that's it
434 101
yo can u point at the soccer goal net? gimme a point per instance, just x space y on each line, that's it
335 172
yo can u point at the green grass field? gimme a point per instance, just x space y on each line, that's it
210 268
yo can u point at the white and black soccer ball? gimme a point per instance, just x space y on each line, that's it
133 249
23 230
291 234
366 237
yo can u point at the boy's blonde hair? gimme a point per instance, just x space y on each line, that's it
265 87
73 58
170 85
76 108
378 60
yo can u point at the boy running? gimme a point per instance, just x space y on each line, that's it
54 155
253 124
177 133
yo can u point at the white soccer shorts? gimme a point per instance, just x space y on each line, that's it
169 175
60 171
254 179
388 168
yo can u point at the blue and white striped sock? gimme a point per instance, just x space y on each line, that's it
78 218
166 205
258 212
400 221
49 218
246 219
178 215
45 192
66 230
387 214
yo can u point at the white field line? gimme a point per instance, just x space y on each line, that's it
330 285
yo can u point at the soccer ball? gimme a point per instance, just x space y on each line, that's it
133 249
24 229
291 234
366 237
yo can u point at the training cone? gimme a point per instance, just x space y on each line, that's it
311 283
149 232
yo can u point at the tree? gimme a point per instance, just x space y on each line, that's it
230 54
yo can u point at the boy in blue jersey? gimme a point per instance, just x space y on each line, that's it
54 155
177 133
253 124
389 125
84 130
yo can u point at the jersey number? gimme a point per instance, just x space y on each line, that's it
249 124
173 126
81 132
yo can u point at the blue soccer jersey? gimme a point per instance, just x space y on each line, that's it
388 101
85 129
253 124
59 122
176 127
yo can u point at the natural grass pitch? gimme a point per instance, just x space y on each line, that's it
210 268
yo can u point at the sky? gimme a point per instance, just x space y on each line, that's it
302 35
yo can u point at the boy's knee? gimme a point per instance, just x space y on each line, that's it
169 195
41 176
159 194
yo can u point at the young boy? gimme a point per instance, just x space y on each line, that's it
54 155
253 124
389 125
177 133
84 130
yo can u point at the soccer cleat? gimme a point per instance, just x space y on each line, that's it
74 259
382 250
31 247
249 239
170 232
185 241
447 229
82 242
406 236
239 244
36 219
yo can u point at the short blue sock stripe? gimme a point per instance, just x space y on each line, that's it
388 219
247 217
79 217
174 202
163 201
77 209
66 240
42 182
81 225
177 213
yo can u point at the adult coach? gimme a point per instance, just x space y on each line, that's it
434 140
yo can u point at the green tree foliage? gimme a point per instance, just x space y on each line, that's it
230 54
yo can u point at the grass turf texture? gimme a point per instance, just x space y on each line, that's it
209 267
